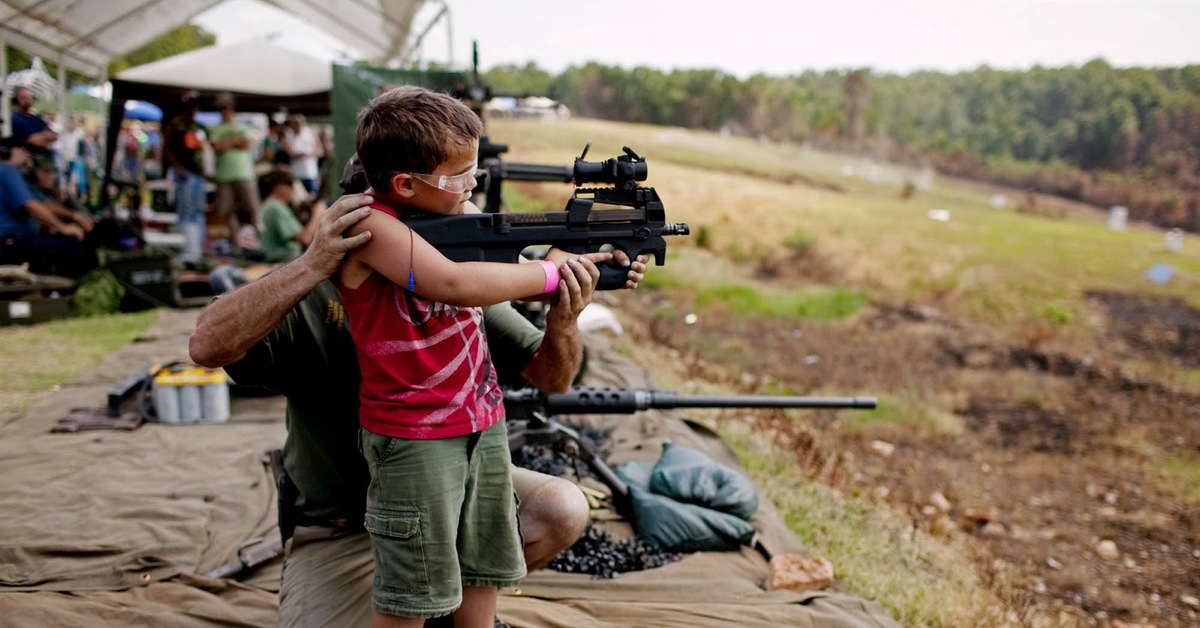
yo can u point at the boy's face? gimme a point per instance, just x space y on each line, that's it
427 197
283 192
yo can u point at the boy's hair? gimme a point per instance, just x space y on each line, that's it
411 129
269 181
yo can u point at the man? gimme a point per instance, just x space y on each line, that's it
287 331
183 148
29 127
234 172
303 149
31 231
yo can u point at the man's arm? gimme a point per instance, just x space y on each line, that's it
232 324
44 214
555 364
68 215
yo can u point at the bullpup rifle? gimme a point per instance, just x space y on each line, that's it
636 225
533 418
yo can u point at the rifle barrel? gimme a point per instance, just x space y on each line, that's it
630 400
510 171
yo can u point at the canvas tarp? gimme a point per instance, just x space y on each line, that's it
109 527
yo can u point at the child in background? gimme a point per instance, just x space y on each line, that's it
440 506
280 234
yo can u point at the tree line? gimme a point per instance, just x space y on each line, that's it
1096 133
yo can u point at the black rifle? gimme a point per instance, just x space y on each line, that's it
581 228
532 418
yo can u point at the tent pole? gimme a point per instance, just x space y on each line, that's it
5 110
449 37
62 93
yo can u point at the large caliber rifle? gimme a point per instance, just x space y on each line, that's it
496 171
625 216
533 418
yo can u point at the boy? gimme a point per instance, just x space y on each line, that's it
440 507
280 233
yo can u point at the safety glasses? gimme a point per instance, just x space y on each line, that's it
455 184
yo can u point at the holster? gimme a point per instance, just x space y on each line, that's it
285 495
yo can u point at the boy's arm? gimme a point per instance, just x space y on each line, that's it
395 249
234 323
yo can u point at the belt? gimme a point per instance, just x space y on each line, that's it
346 524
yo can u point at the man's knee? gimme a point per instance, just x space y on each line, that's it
557 511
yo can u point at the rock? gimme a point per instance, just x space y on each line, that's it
993 528
1107 550
1054 564
1190 600
797 573
939 501
883 448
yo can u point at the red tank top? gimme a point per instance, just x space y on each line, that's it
426 369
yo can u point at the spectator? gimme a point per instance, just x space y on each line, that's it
236 188
74 179
281 235
29 127
31 231
271 154
183 148
303 148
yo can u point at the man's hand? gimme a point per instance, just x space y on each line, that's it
42 139
70 229
328 247
83 220
579 278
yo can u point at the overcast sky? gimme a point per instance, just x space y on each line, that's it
776 37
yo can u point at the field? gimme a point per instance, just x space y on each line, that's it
1035 459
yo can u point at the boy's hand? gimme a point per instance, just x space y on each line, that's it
637 269
329 246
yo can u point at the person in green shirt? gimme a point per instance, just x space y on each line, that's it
280 233
234 168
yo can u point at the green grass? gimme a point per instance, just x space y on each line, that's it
996 267
814 303
1186 469
40 357
920 580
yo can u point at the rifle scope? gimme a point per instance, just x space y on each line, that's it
621 171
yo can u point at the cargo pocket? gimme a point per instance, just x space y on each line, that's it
398 550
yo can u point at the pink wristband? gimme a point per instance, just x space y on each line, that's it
551 276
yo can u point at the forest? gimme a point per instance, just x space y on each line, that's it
1094 133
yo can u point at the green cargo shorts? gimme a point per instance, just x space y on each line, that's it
442 515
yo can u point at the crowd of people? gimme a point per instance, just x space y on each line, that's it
39 215
262 220
42 169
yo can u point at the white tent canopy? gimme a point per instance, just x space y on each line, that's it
86 35
261 69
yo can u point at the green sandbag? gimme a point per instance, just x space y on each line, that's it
671 525
689 476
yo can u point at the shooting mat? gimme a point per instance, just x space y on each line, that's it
109 527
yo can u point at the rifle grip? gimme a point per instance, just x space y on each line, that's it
612 277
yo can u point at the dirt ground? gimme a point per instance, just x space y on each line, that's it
1054 461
